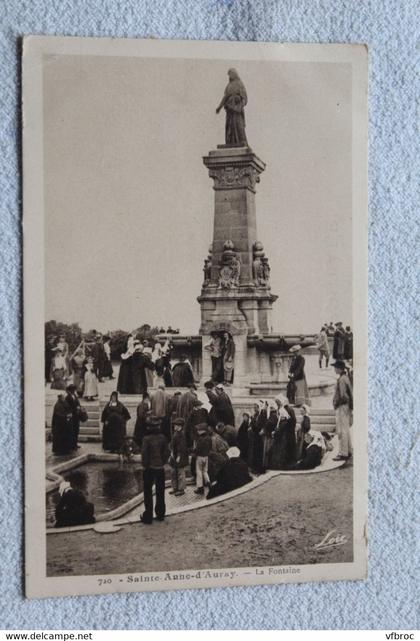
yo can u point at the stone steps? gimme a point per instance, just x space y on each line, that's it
88 430
91 422
322 412
91 438
327 420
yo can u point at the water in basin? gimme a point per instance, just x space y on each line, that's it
105 484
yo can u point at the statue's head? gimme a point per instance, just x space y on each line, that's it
233 74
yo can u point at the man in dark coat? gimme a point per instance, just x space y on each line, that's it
143 413
222 409
232 475
174 401
77 413
154 456
348 344
339 340
225 411
186 403
197 415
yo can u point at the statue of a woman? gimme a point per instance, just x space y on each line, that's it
234 101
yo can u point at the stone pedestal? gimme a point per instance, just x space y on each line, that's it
236 295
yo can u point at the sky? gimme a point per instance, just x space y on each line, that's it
129 203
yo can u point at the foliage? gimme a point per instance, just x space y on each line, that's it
72 333
119 337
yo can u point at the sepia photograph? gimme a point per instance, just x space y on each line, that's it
195 305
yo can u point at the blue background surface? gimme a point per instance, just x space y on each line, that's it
386 599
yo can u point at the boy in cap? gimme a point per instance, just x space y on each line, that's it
179 458
202 449
154 455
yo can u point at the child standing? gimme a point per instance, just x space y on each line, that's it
91 382
202 449
179 458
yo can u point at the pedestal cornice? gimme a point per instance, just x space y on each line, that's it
234 168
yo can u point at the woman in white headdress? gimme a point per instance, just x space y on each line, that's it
283 451
255 440
72 508
267 432
58 370
317 444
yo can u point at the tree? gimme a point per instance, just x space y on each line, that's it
118 343
72 333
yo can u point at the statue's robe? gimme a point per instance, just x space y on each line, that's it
235 99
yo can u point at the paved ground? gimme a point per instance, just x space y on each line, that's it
278 523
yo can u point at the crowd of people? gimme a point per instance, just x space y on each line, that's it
198 438
143 364
342 345
147 364
89 364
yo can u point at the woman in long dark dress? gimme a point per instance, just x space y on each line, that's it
256 442
114 419
141 368
243 436
297 377
304 428
62 427
268 431
283 451
182 374
77 363
125 375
